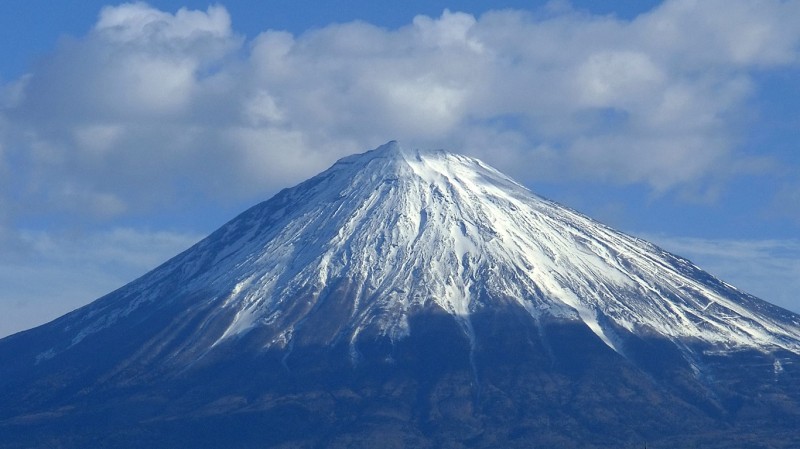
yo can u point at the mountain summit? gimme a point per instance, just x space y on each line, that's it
427 296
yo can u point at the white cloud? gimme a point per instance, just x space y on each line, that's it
617 78
140 23
719 33
152 107
769 269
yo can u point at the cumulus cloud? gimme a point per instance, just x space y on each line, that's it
696 34
152 108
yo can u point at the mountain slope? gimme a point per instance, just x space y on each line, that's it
428 273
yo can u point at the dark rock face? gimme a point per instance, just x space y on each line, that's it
523 384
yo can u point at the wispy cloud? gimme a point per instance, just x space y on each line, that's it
45 274
769 269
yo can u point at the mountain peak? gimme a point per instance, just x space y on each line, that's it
390 155
426 166
391 146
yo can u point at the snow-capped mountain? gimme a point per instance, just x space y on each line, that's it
402 230
390 253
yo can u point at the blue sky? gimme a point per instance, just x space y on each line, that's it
129 131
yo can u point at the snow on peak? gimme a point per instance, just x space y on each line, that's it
393 231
